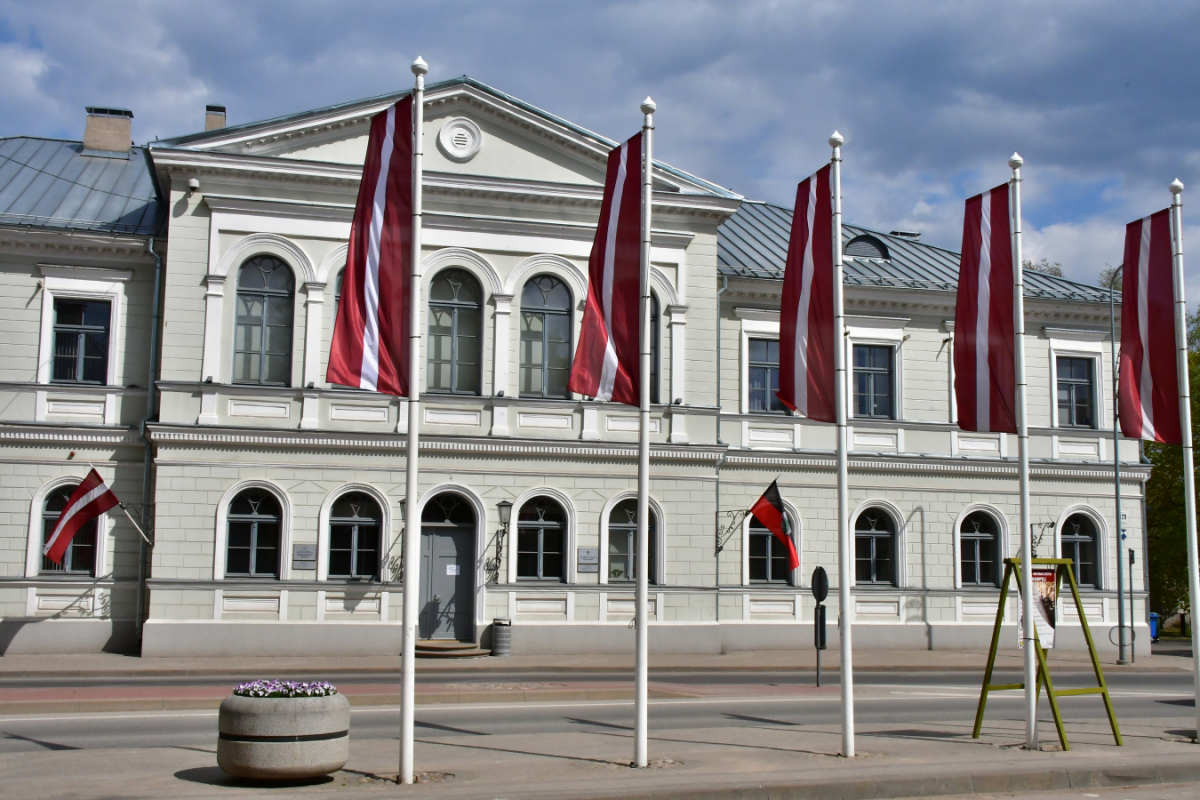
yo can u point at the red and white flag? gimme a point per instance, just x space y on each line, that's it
606 364
370 336
1149 382
806 379
985 372
89 500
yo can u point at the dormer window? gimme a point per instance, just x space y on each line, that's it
866 246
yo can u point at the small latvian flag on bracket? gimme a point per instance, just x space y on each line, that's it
769 511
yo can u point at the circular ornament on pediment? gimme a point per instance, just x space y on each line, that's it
460 139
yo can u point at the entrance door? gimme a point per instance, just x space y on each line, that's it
448 569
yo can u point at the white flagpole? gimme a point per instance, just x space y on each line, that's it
641 688
845 543
1031 737
412 521
1185 424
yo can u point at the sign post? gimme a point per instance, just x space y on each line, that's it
820 590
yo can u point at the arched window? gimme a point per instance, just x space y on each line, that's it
541 540
875 547
1079 543
979 549
80 558
262 347
255 522
655 330
355 523
768 557
455 333
622 542
545 337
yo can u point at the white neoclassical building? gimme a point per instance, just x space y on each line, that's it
275 498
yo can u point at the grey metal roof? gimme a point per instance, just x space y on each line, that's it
49 183
753 243
197 138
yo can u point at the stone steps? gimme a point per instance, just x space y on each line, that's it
439 648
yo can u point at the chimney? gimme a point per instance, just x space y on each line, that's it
214 117
109 131
912 236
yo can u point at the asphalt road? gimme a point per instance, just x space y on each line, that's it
893 699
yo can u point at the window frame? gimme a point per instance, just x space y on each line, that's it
1091 385
80 332
355 523
752 365
541 531
853 371
267 295
221 534
794 577
82 284
656 542
569 314
254 520
999 540
884 331
455 308
897 539
1098 546
1080 343
36 532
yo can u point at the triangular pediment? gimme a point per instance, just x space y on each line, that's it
515 140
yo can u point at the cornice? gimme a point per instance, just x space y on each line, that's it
78 244
76 436
1102 472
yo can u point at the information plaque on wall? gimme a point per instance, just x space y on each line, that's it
304 556
589 559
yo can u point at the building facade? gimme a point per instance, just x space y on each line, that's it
276 499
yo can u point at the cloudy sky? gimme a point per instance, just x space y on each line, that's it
1100 98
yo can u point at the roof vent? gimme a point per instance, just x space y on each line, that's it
460 139
108 132
912 236
214 117
866 247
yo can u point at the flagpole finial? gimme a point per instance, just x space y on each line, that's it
1177 187
836 139
649 106
1015 162
419 67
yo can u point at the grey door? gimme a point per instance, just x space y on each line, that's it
447 569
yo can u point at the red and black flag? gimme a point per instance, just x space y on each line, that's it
768 510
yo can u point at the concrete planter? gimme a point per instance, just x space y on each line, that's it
283 738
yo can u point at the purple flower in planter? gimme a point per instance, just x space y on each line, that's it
273 688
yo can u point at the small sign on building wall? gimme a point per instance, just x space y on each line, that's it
452 569
589 559
304 556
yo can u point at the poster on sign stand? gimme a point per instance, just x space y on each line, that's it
1045 607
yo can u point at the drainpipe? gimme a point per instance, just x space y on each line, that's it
721 460
151 378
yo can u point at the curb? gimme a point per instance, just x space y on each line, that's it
1031 780
35 707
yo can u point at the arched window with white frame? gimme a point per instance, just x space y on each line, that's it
622 542
252 545
355 536
545 337
1079 541
454 358
80 556
875 548
980 554
262 349
541 540
767 557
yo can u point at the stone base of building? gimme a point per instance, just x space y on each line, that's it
39 635
162 638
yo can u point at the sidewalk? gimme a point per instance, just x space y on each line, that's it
765 758
120 666
197 683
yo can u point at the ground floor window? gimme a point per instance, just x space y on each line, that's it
622 542
875 547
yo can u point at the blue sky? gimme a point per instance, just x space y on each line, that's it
1099 97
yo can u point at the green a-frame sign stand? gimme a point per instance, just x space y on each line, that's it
1063 568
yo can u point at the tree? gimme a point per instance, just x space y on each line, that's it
1045 266
1166 534
1108 275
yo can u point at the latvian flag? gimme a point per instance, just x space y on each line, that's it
806 381
1149 382
90 499
985 373
768 510
370 337
606 364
